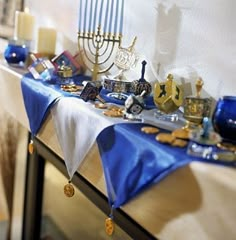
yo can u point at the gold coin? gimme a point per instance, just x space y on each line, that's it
181 133
109 226
149 130
179 143
165 138
100 105
31 147
69 190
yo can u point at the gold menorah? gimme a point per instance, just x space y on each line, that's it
97 50
98 44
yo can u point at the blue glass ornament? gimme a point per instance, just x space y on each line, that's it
16 52
224 118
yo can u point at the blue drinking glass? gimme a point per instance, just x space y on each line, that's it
224 118
16 52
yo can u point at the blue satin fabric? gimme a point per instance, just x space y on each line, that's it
133 160
39 96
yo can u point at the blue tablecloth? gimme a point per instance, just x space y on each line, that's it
39 96
132 160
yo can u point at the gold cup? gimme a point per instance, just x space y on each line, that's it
196 108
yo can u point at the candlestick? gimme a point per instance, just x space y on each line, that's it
85 15
111 16
90 17
24 25
106 16
116 17
121 17
80 16
46 40
95 16
100 14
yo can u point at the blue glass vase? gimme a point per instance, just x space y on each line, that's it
16 52
224 118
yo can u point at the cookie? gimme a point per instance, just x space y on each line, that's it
149 130
165 138
181 133
112 113
100 105
179 143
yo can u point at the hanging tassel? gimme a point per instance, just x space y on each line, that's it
109 224
69 190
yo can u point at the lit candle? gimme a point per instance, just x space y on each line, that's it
24 26
116 17
85 15
106 16
46 40
90 17
121 17
100 14
95 16
80 15
111 15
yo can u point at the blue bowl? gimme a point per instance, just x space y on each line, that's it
224 118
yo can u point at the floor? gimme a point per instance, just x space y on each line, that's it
18 191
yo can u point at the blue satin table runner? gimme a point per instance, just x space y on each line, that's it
39 96
133 160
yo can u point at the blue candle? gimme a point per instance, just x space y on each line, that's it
116 17
106 16
121 17
90 16
111 15
85 15
95 16
80 15
100 14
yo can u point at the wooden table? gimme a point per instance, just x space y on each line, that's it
195 202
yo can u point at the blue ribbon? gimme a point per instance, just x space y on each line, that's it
133 160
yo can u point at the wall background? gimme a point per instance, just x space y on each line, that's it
188 38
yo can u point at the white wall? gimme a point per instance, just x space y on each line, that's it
188 38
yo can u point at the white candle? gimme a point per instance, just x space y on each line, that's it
106 16
121 17
80 15
116 17
111 15
46 40
90 17
100 14
85 15
95 16
24 26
